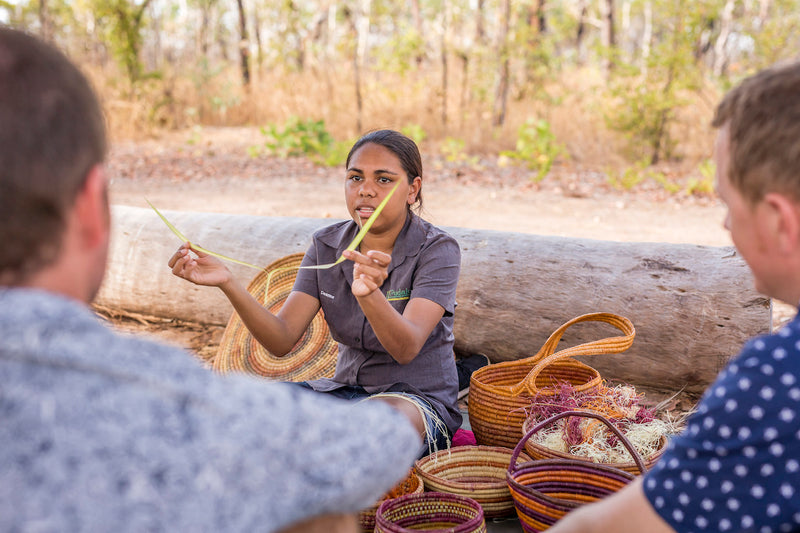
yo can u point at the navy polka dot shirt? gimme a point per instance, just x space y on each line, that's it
736 467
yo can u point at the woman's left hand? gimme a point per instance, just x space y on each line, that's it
370 270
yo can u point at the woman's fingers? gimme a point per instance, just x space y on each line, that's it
182 251
380 258
373 257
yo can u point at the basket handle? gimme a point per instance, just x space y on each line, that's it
637 459
546 355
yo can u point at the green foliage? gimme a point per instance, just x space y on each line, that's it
537 147
630 177
414 132
334 154
647 94
639 172
401 53
298 137
773 39
705 184
308 138
662 179
453 151
121 23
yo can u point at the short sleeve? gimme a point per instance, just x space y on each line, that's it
436 275
306 280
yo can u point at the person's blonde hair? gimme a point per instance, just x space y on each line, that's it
762 116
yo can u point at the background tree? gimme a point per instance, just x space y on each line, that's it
615 83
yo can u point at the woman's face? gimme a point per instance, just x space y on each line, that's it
373 172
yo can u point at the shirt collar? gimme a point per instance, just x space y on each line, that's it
408 243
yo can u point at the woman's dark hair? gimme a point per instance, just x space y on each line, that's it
404 148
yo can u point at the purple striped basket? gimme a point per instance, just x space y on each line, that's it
545 490
430 511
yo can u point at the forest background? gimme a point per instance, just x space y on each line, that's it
625 88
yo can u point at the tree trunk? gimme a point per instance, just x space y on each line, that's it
647 34
259 44
244 44
464 96
537 16
609 38
359 24
202 33
480 28
580 31
692 306
501 88
721 44
416 15
45 22
445 41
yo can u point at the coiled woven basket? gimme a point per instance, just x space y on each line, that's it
478 472
430 511
544 490
499 394
313 356
412 484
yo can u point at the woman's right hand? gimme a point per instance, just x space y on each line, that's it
204 269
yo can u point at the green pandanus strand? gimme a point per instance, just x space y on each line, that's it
352 246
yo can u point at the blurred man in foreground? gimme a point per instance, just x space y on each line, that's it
102 432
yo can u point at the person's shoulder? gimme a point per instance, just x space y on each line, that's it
436 238
334 233
431 231
785 337
332 229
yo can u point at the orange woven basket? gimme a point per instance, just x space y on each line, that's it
500 394
412 484
313 356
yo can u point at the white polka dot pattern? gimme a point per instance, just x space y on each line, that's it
736 467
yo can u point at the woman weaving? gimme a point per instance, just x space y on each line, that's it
390 306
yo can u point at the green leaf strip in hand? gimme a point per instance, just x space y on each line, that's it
183 238
352 246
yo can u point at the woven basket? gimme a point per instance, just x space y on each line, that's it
499 394
440 512
539 451
478 472
313 356
545 490
412 484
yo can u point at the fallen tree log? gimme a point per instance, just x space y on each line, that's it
692 306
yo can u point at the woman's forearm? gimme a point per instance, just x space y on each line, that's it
272 332
402 336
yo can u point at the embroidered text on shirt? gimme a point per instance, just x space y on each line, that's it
401 294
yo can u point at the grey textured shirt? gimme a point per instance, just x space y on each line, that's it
108 432
425 264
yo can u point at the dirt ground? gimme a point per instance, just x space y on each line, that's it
211 170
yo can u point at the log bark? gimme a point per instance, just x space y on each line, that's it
693 306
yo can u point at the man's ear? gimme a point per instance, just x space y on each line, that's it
92 209
786 221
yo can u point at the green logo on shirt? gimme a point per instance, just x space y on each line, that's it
402 294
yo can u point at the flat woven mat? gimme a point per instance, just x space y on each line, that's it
313 356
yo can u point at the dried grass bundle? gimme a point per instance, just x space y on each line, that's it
585 437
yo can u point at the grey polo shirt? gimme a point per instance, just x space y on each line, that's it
425 264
